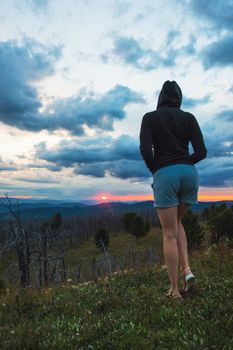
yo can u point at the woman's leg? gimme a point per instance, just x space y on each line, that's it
182 248
182 240
168 220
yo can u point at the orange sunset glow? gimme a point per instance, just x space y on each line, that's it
204 196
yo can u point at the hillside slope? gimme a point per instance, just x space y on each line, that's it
44 210
127 311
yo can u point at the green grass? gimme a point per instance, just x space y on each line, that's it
117 245
127 311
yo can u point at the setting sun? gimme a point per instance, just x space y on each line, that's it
104 198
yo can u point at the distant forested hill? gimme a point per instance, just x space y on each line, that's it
45 209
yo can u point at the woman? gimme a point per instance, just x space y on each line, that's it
164 139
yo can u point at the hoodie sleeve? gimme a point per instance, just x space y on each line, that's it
146 143
197 142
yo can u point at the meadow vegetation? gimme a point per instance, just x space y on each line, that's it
128 309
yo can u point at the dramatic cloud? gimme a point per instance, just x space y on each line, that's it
218 13
215 172
217 169
225 116
193 102
219 53
219 135
123 169
120 157
20 104
98 157
19 67
132 52
90 151
96 112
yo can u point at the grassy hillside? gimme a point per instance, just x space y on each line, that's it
127 311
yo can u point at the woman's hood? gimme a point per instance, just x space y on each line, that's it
170 95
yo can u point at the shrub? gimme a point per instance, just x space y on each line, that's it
135 225
193 230
220 220
102 237
221 225
127 220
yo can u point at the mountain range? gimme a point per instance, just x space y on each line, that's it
45 209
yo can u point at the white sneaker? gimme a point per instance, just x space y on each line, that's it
190 281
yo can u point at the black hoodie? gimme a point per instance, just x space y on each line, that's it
166 132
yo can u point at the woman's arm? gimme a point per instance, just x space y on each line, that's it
146 143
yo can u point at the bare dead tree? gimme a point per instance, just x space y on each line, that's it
19 239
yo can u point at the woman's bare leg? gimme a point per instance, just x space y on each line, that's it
168 220
182 240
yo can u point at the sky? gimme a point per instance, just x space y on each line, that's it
77 76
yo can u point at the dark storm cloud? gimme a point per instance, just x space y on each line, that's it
95 112
216 172
131 52
120 157
218 53
126 169
218 134
19 66
193 102
226 116
90 151
123 169
217 169
117 157
218 13
92 169
20 103
217 19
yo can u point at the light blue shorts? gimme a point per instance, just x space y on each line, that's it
175 184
